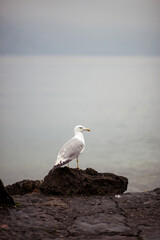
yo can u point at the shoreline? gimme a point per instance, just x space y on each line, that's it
77 205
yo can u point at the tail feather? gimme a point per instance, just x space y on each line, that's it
60 163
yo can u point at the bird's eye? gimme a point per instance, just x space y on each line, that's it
80 127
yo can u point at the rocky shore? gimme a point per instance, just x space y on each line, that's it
111 216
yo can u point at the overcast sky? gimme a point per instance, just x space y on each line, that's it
75 27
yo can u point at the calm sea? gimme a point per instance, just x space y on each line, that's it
118 98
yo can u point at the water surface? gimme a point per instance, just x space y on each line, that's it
118 98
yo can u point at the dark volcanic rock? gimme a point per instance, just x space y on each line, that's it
23 187
130 216
5 198
69 181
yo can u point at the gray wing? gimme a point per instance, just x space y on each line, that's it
69 151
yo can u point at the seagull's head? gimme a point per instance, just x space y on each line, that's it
80 128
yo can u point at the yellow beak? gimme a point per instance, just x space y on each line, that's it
87 129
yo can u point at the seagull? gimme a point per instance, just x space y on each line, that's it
71 149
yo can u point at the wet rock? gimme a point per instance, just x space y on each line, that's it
69 181
23 187
5 198
134 216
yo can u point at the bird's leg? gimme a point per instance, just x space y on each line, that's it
68 164
77 163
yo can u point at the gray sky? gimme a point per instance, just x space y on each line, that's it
75 27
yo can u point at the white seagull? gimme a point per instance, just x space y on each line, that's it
72 148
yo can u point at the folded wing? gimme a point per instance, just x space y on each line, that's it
68 152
